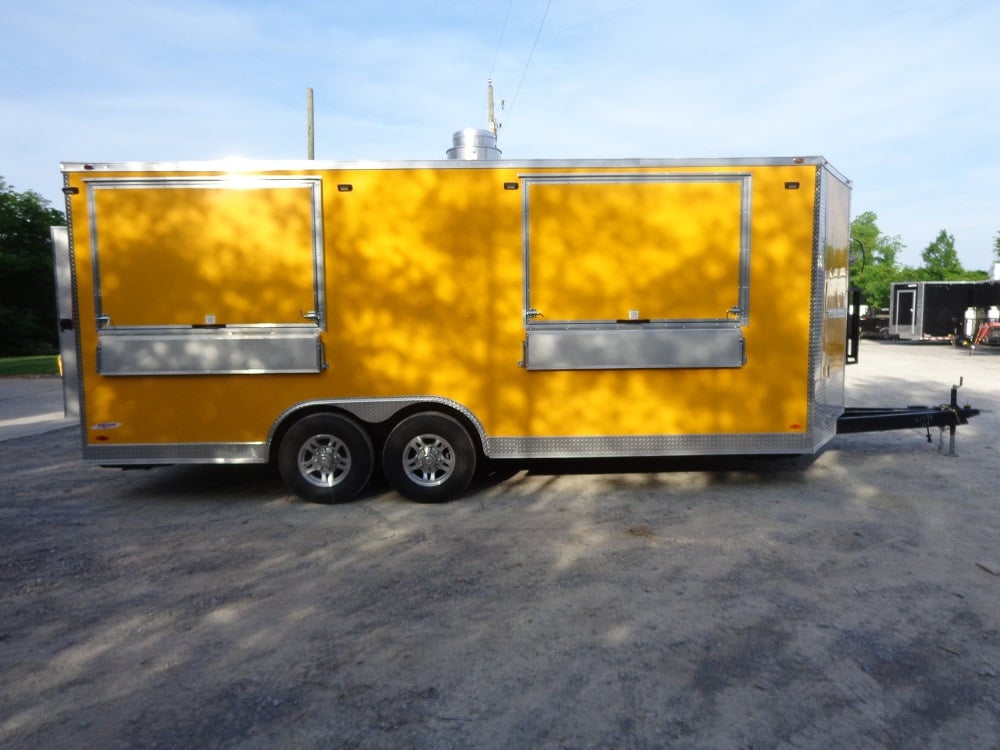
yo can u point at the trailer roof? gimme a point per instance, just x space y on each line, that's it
250 165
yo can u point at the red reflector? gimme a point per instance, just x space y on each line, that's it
101 438
795 427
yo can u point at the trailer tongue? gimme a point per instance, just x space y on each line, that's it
880 419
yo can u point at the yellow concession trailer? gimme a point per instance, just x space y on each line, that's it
333 316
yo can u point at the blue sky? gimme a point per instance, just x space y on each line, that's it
902 97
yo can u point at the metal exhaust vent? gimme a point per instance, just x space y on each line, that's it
474 144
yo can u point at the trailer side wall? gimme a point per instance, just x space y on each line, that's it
214 303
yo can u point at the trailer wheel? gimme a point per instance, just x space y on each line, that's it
429 457
326 458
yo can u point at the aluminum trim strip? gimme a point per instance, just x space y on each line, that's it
78 346
176 453
256 165
624 446
500 448
211 351
641 348
69 363
816 305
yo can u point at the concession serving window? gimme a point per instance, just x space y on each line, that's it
639 270
208 274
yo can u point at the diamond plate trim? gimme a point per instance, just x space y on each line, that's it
624 446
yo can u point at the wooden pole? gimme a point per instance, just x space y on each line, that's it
489 102
310 132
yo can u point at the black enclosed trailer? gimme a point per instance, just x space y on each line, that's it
940 310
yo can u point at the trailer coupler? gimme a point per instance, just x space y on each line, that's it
879 419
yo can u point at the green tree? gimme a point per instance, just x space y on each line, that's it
940 259
996 248
27 285
875 265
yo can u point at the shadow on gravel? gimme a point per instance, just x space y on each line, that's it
762 464
255 483
720 468
197 483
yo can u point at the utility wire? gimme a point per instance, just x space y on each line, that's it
496 55
530 55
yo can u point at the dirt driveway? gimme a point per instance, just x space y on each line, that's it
851 600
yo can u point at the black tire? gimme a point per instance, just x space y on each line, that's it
326 458
429 457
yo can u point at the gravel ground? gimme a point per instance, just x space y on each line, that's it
851 599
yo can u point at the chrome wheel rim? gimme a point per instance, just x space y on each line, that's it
428 460
324 460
